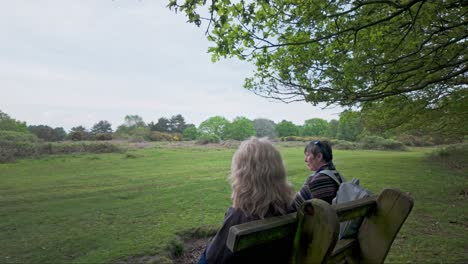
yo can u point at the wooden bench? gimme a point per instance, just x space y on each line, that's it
314 229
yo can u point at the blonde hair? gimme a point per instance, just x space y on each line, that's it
258 179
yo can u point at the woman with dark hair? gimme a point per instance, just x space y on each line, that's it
260 189
318 157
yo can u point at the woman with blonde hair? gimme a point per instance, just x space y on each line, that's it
260 189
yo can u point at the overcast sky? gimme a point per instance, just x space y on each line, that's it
69 63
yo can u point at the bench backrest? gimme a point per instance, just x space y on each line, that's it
314 229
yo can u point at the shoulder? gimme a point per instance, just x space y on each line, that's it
235 216
322 179
216 251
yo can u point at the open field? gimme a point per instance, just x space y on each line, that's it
102 208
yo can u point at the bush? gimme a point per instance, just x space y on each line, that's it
15 145
414 141
452 157
163 136
208 138
103 136
343 144
135 139
78 147
299 138
190 133
380 143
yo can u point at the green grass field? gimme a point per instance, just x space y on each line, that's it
104 208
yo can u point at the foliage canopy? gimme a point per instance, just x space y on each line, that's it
215 126
345 52
241 128
9 124
342 51
264 127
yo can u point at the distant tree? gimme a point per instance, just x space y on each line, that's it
190 132
240 129
315 127
215 126
10 124
332 128
177 124
60 134
134 121
43 132
264 128
102 126
133 125
48 133
349 125
162 125
78 133
102 130
287 128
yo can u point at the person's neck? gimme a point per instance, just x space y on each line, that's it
323 164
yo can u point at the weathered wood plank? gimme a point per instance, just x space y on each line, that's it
317 232
260 232
380 228
354 209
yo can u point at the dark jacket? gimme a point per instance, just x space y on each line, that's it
217 251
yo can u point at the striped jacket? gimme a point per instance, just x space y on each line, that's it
318 185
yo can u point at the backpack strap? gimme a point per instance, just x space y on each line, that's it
331 174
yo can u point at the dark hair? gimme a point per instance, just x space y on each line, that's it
315 147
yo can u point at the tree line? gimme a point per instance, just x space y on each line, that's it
351 126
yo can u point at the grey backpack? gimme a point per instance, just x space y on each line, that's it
347 192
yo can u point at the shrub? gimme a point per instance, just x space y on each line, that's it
103 136
376 142
298 138
414 141
78 147
163 136
15 145
343 144
190 133
101 147
452 157
136 139
303 138
207 138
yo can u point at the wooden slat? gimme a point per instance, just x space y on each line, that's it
260 232
354 209
317 232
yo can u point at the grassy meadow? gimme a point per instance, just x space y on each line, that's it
104 208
